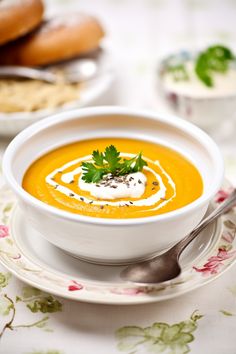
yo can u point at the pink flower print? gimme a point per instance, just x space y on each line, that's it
222 195
4 231
214 263
128 291
17 256
75 286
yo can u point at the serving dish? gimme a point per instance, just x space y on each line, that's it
91 92
28 255
206 109
113 241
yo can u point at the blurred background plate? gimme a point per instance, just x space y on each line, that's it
97 91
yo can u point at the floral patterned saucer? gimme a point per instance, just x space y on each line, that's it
35 261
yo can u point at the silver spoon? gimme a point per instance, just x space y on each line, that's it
74 72
166 266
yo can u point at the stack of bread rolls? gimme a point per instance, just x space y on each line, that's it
27 39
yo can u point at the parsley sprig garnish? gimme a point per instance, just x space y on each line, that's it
179 72
111 162
214 59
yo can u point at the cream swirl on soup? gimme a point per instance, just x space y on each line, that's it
135 182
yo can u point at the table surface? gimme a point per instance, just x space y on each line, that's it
203 321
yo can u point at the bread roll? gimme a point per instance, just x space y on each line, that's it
57 39
18 17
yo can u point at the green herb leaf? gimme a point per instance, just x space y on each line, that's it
92 174
111 155
214 59
179 72
126 166
98 158
139 163
110 162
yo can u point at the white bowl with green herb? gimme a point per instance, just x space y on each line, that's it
200 86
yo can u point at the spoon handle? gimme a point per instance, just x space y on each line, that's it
26 72
224 206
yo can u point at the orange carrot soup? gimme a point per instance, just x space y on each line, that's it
114 178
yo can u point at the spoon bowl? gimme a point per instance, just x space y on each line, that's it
146 272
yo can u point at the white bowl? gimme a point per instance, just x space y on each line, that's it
210 112
112 241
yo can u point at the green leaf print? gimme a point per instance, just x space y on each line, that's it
45 304
5 306
28 292
229 224
226 313
130 337
4 279
36 301
158 338
8 207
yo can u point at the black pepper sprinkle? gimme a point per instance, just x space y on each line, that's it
155 183
59 171
82 199
139 181
91 202
71 195
131 203
71 181
101 206
57 185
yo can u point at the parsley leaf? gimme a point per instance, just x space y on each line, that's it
111 155
179 72
92 174
126 166
110 162
98 158
214 59
139 163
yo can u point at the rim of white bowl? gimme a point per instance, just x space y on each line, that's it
171 120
